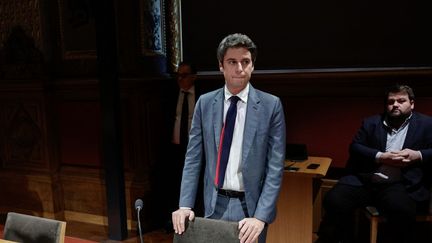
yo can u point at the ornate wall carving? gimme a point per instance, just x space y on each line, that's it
174 33
24 13
21 39
23 136
152 23
77 29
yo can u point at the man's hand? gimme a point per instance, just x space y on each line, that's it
410 155
250 229
399 158
179 219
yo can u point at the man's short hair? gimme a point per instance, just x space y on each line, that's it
400 88
190 64
236 41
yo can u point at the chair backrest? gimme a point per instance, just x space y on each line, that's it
32 229
203 230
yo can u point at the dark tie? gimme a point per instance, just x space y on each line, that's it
225 143
184 120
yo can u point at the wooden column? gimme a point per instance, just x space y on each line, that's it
110 104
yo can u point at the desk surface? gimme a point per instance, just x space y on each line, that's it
7 241
321 171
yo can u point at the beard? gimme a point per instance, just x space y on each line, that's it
396 119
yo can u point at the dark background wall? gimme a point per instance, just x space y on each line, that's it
313 34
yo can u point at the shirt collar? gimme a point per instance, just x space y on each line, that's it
243 95
401 127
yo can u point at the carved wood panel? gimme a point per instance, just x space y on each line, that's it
24 13
24 139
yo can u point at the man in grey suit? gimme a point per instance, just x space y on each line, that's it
248 189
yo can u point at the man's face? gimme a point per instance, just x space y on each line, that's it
185 77
237 68
399 105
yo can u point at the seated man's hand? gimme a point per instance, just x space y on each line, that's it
250 229
393 158
410 155
400 158
179 219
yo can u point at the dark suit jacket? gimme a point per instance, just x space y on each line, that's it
372 138
169 104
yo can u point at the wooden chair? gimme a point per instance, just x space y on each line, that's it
32 229
375 218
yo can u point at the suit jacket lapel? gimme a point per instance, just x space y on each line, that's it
412 128
217 110
251 124
382 136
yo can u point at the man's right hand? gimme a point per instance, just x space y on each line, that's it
179 219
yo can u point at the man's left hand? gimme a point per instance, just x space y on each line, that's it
408 155
250 229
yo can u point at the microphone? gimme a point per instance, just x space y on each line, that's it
138 207
138 204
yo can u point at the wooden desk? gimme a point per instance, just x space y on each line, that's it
7 241
294 218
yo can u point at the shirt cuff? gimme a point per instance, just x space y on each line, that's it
421 156
377 156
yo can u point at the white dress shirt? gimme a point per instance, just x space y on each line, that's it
233 174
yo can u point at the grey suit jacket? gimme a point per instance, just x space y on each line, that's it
262 156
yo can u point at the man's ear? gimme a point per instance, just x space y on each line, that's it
221 67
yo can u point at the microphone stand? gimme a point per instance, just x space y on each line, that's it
138 207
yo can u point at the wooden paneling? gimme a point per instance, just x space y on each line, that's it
23 126
33 193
